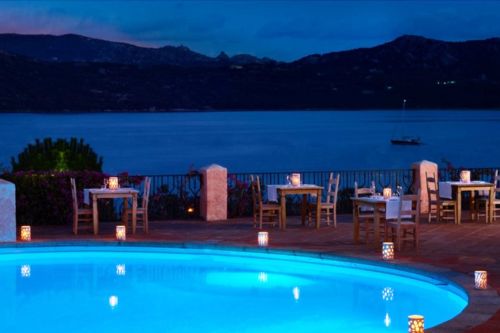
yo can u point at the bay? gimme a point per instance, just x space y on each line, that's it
171 143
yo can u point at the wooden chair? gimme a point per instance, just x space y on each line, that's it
366 215
440 209
484 200
328 208
407 224
79 214
142 209
263 210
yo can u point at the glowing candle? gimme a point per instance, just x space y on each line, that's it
295 179
415 324
25 233
263 238
387 192
113 183
387 320
387 250
465 176
121 233
480 279
263 277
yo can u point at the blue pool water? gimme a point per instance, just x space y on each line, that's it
138 289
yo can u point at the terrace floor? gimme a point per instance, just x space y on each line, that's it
459 249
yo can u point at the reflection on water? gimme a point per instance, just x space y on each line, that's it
163 143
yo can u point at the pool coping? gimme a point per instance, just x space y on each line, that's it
482 305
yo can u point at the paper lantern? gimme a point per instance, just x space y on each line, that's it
387 250
113 183
295 179
263 238
480 279
25 233
387 192
120 270
465 176
415 324
121 233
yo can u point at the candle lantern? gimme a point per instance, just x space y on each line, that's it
121 233
388 294
113 183
465 176
480 279
415 324
387 250
263 238
295 179
25 233
387 193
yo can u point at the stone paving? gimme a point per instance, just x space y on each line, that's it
453 250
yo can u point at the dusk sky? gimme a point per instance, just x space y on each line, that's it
284 30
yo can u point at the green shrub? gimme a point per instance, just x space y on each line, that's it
61 155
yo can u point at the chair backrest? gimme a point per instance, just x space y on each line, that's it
432 188
256 193
496 181
363 191
147 189
73 194
411 213
332 188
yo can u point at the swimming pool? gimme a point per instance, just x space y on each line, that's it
153 289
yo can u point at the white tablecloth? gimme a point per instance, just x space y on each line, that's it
86 192
446 192
391 206
272 191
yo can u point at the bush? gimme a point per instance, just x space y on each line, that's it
61 155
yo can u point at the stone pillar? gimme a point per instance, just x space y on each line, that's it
420 182
7 211
213 201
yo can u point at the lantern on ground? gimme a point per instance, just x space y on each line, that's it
415 324
480 279
25 233
113 183
387 250
263 238
121 233
120 269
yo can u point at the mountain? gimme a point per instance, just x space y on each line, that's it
428 73
76 48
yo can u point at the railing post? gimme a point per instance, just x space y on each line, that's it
7 211
213 200
420 182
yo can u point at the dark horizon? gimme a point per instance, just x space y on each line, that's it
282 30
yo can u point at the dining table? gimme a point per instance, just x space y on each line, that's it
381 207
450 189
125 193
273 191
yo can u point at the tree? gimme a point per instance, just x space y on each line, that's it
61 155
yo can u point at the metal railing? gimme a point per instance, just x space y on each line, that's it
178 196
